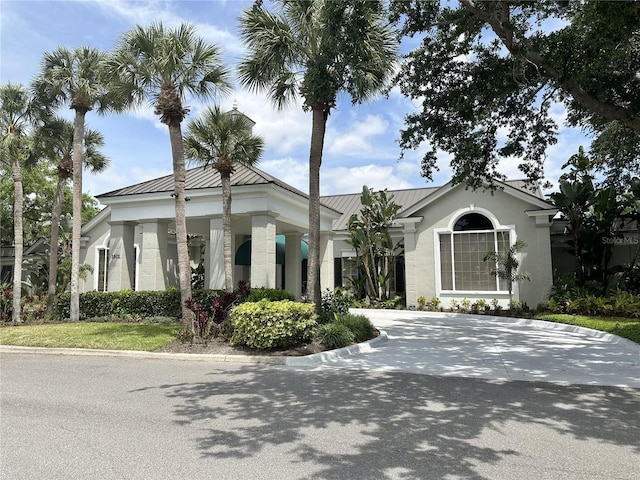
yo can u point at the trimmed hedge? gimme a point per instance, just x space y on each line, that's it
164 303
145 304
273 325
271 294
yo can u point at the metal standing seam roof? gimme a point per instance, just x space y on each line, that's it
203 178
349 204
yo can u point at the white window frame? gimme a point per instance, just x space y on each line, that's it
449 230
101 252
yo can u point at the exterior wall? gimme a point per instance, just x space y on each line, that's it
97 237
509 212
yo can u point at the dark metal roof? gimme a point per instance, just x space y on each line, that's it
350 203
203 178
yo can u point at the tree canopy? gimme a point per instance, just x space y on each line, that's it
487 74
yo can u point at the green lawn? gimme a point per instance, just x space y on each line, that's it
107 336
152 336
623 327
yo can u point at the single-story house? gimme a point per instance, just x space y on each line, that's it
444 233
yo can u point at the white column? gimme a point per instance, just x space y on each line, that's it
410 264
263 250
153 256
327 277
121 256
293 263
542 276
214 256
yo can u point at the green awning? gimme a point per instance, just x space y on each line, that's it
243 253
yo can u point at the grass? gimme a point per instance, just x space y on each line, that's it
623 327
152 336
106 336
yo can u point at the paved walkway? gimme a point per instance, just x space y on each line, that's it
497 348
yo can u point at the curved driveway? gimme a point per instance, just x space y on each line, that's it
496 348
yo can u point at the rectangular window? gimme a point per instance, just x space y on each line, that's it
462 265
103 269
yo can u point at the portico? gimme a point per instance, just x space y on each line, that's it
142 222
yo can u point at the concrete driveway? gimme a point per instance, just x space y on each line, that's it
496 348
455 345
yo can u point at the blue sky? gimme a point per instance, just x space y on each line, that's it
361 145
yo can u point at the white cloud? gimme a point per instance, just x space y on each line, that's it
358 140
289 170
284 131
351 179
119 176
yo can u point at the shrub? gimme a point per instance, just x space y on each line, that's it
435 303
272 325
360 326
422 302
334 303
630 279
6 302
335 335
394 303
127 303
270 294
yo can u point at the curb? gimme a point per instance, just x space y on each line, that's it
313 359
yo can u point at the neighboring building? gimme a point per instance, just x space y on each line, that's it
444 232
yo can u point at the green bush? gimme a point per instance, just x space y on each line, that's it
335 335
360 326
618 303
272 325
270 294
127 303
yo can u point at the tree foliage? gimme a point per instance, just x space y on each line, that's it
488 74
164 66
221 140
314 50
596 215
506 264
80 80
369 234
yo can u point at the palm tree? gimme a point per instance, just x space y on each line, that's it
77 78
314 50
55 142
162 66
505 266
221 140
16 113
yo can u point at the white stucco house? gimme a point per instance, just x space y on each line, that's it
444 233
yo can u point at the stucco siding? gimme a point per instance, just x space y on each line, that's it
509 212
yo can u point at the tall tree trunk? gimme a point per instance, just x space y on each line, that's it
78 141
179 179
18 202
53 244
225 178
315 161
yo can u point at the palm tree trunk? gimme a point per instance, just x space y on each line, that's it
78 141
18 202
179 179
53 244
315 161
225 178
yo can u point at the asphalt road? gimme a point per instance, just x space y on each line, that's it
67 417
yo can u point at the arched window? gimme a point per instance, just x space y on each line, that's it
462 251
